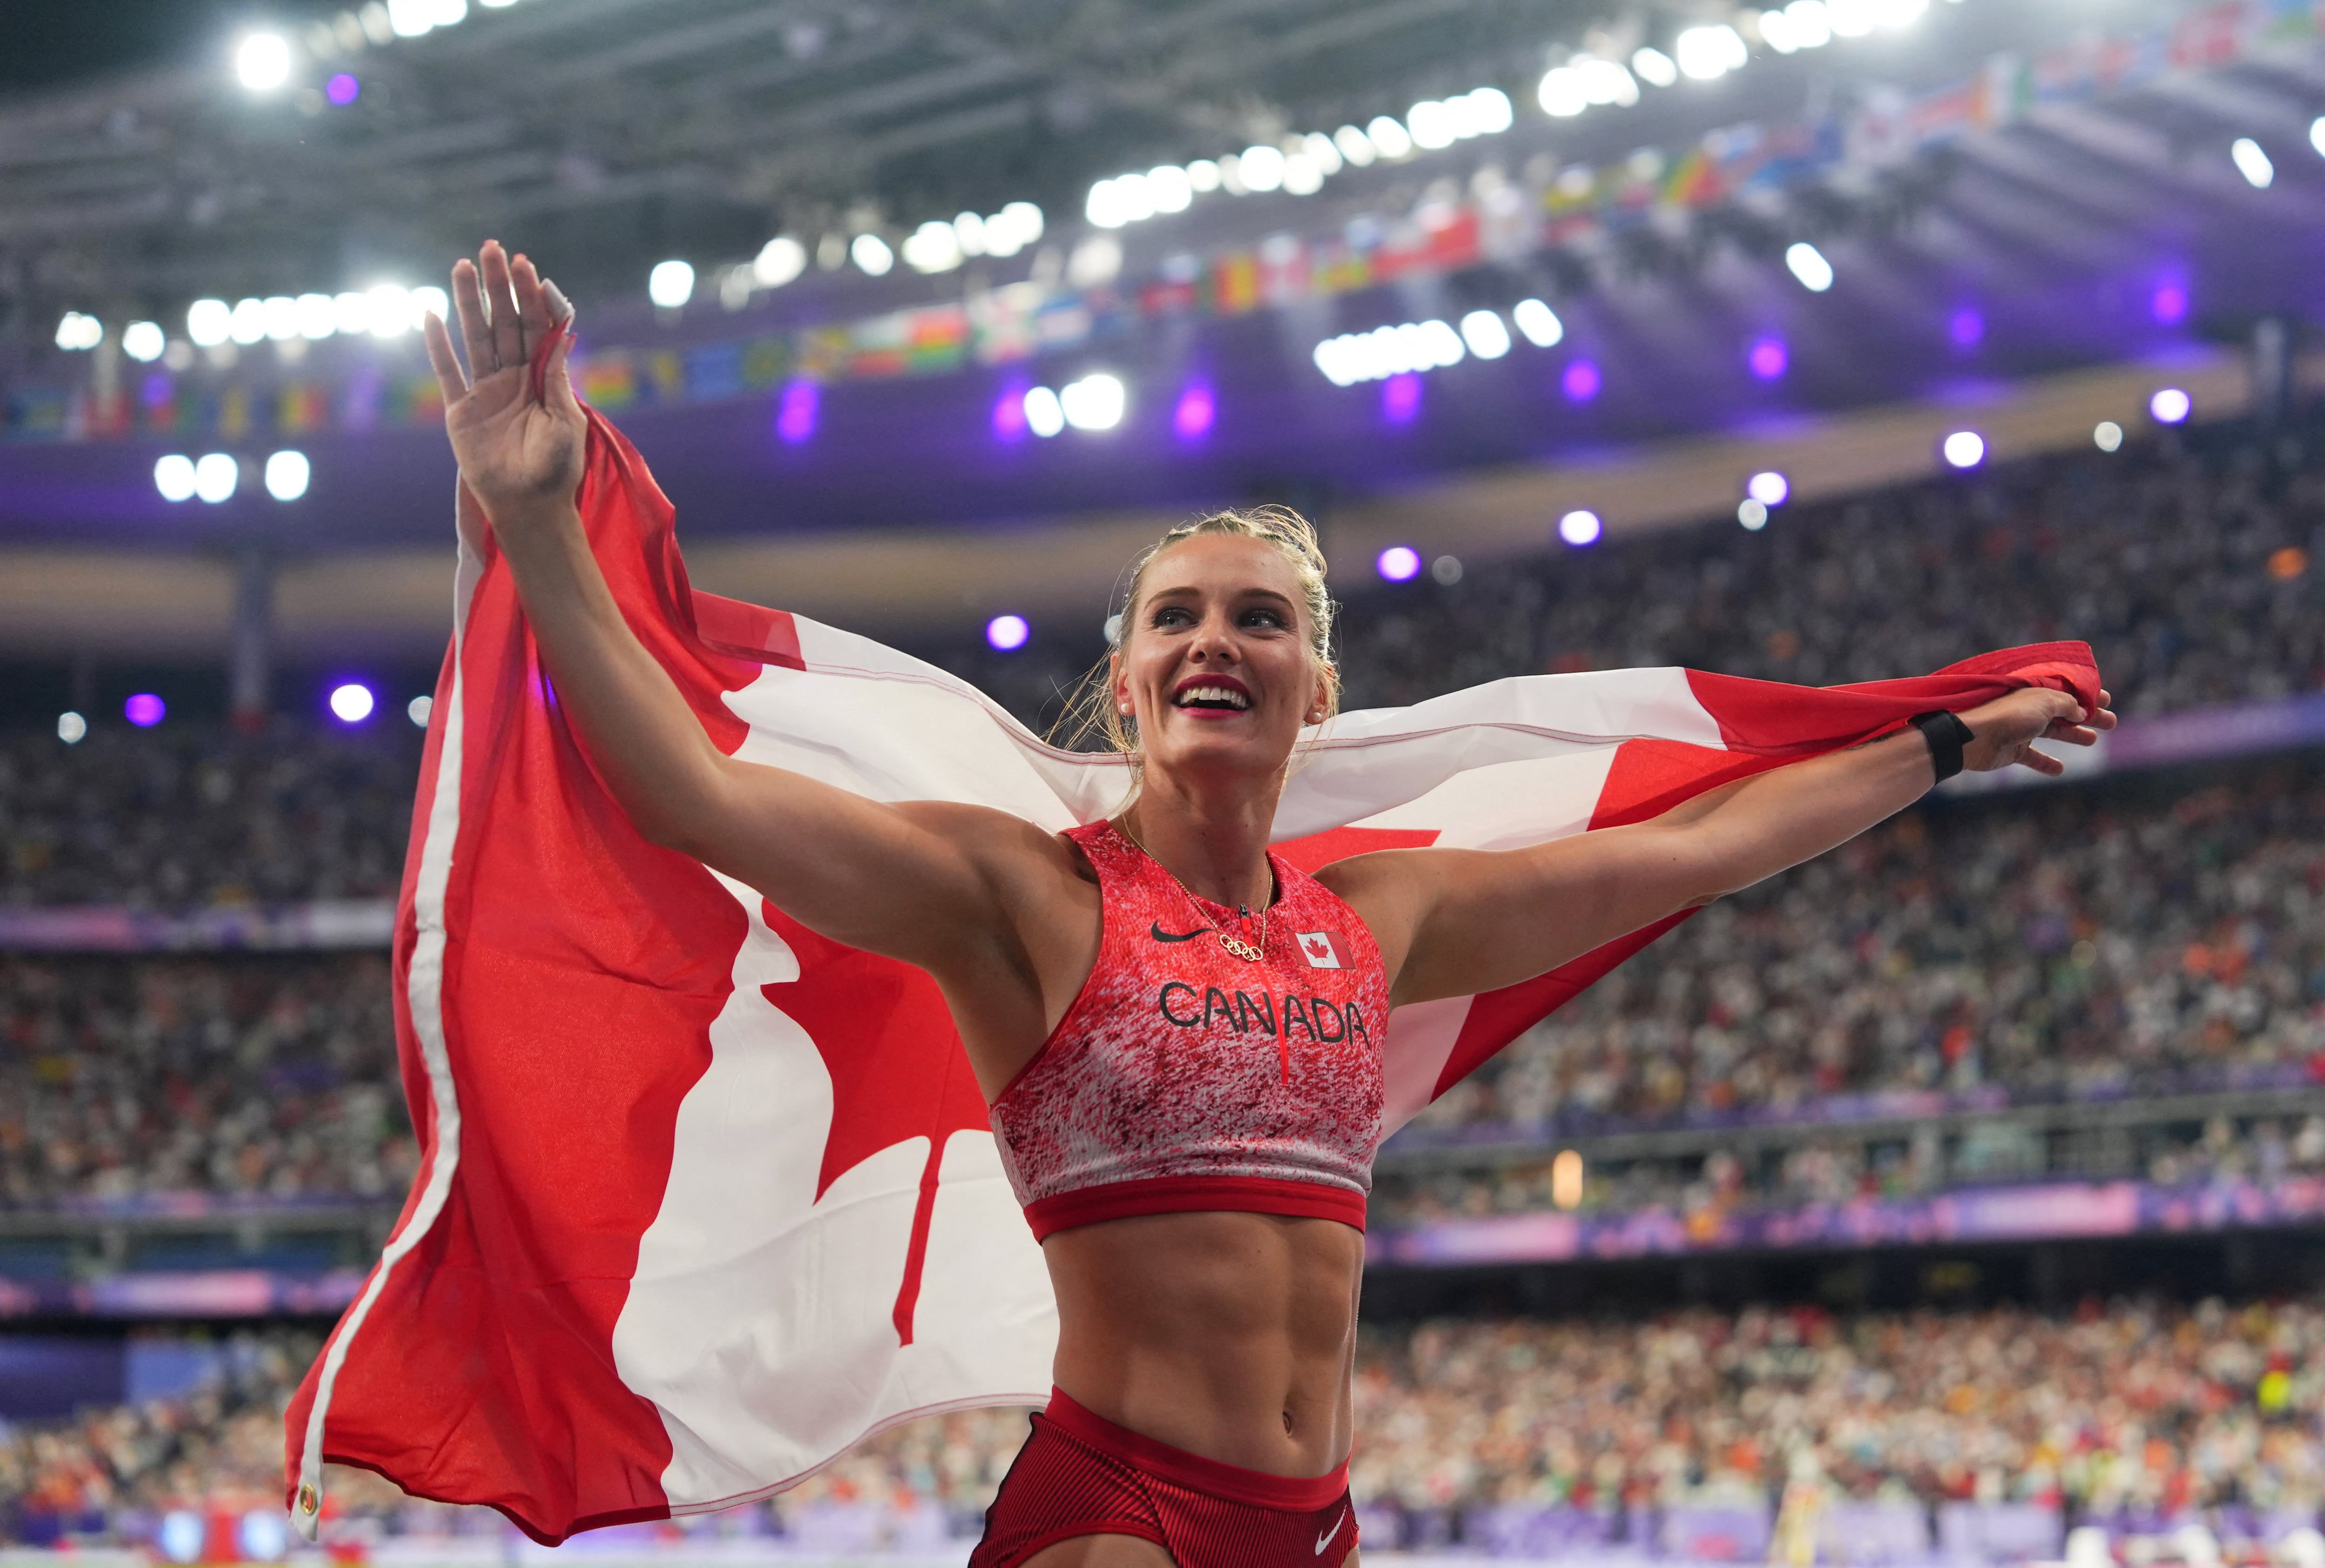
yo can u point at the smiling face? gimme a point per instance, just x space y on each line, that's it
1215 662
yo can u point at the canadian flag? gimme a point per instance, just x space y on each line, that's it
1323 950
707 1198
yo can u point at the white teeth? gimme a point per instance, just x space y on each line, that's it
1214 694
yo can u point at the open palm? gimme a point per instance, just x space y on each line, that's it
516 447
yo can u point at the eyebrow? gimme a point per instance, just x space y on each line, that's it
1185 590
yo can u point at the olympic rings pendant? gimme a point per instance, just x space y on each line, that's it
1241 948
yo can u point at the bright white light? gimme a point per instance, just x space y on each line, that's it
1046 416
215 476
1010 230
2253 163
933 247
78 331
71 728
173 476
1203 176
351 313
1709 52
1096 260
427 300
1261 167
209 322
1006 634
2170 406
1324 152
871 252
1808 264
1168 187
1653 67
281 314
1355 145
2107 435
1485 334
1768 487
671 283
1900 13
1965 449
1539 323
142 341
262 61
286 476
1430 124
313 316
1491 110
1579 528
1808 23
779 260
1387 351
1093 402
1302 176
1391 138
1751 513
419 710
1851 18
391 309
411 18
1111 203
352 702
1561 93
248 325
2317 134
1398 563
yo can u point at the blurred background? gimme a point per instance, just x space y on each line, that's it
1956 1199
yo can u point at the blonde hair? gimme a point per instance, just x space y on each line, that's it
1090 712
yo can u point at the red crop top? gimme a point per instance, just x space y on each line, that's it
1185 1078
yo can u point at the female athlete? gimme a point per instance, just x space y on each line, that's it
1178 1033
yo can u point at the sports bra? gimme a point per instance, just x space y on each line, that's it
1185 1078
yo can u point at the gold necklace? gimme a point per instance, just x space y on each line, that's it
1236 945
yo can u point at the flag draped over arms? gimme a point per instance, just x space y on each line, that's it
708 1198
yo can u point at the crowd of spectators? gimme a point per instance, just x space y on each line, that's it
2137 1408
273 1076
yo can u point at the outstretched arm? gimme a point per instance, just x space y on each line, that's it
1452 923
900 880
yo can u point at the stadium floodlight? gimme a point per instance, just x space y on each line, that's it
316 317
1708 53
2317 134
933 247
1302 175
1430 125
1398 563
287 473
1851 18
391 309
78 331
2107 435
1808 264
1539 323
143 341
209 322
871 254
1485 333
351 313
1491 111
2252 163
1355 145
1389 137
2171 405
173 477
216 476
262 61
783 259
248 325
1751 513
1561 93
1007 634
1653 67
1323 152
1169 188
1095 401
1580 527
1899 12
1046 416
414 18
71 728
1769 488
1261 167
352 702
671 283
1964 449
280 313
419 710
1203 176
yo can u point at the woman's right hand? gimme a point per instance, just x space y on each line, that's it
520 455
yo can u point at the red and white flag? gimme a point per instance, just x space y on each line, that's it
1323 950
707 1198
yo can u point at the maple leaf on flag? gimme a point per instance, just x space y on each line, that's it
1318 948
898 1069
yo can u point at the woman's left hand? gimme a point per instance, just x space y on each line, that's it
2005 730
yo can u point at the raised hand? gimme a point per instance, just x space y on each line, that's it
2005 730
520 454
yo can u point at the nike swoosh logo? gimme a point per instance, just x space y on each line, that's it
1159 934
1325 1539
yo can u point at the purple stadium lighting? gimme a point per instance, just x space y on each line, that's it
2169 303
1009 414
1197 411
342 90
1399 564
1580 382
351 703
1007 633
2171 405
1966 328
1401 398
1768 358
144 710
795 414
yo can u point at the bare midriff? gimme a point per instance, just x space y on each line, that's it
1229 1335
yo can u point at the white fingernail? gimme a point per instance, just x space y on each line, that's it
558 306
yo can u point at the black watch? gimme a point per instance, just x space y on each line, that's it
1945 735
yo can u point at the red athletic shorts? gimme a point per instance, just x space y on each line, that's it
1080 1474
